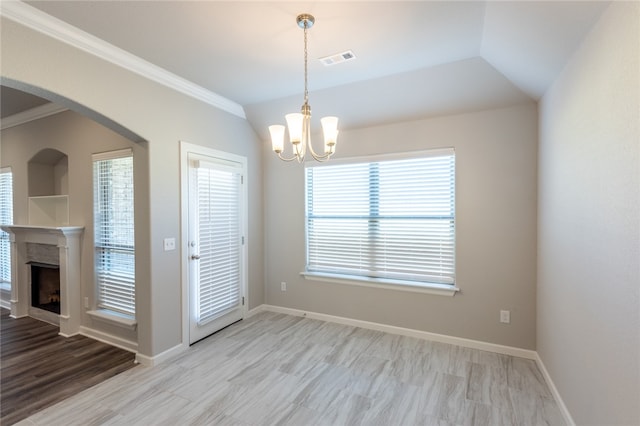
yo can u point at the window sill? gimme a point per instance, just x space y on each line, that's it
114 318
388 284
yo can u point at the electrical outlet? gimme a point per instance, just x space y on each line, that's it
169 244
86 303
505 317
283 286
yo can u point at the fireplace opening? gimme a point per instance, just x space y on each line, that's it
45 287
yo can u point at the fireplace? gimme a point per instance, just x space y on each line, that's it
45 286
51 254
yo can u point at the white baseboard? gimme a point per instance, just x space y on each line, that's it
109 339
5 295
255 310
150 361
554 391
5 304
459 341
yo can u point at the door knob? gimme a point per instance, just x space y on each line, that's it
195 256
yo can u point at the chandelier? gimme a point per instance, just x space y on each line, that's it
299 124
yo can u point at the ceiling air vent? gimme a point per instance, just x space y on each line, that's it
338 58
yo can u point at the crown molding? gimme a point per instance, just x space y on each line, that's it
32 114
37 20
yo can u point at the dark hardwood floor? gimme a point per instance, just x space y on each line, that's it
40 368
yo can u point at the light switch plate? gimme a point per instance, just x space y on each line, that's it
169 244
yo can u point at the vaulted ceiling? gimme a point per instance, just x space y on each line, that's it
413 59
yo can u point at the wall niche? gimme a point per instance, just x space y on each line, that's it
48 183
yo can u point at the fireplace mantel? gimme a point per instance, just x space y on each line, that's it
67 239
54 230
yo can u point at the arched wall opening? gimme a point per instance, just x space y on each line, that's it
50 157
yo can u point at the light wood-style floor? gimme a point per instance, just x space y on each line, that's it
275 369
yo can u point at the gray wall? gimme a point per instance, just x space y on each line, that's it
589 224
495 230
77 137
162 117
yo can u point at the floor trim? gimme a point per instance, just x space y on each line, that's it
5 304
554 391
109 339
256 310
150 361
468 343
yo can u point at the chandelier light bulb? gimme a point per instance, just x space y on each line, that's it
277 137
294 123
330 130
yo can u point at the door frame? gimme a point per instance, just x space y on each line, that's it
185 149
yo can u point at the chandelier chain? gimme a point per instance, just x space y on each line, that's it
306 91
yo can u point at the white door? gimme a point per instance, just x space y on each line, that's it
215 244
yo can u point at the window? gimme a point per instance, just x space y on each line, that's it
390 220
114 231
6 218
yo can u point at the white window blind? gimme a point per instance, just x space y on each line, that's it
219 236
6 218
114 230
391 219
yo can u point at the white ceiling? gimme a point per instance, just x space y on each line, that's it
414 58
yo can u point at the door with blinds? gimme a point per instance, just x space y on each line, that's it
215 245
